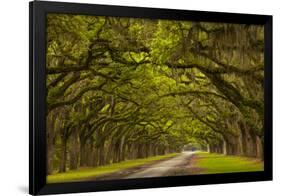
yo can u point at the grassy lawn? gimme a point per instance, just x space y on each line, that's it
87 173
211 163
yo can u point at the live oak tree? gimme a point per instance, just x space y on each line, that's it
124 88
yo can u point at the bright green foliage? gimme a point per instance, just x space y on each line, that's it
128 88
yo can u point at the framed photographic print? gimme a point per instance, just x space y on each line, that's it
128 97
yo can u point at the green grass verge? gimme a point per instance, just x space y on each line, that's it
211 163
88 173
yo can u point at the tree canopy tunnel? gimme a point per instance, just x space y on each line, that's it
124 88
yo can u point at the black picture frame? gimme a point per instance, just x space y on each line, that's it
37 102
